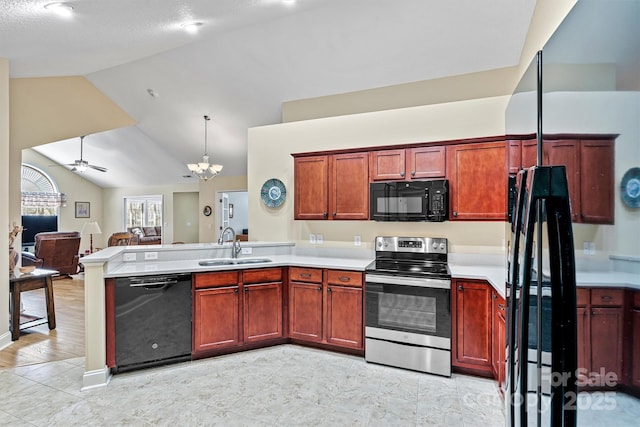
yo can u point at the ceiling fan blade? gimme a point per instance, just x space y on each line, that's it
98 168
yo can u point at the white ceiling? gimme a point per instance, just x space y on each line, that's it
248 57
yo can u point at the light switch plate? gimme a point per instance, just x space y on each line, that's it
319 239
246 251
312 239
150 255
357 240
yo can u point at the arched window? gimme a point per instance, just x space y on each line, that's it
40 194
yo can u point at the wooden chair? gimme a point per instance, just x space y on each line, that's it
121 238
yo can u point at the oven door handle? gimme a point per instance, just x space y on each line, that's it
408 281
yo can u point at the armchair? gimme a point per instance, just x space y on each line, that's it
55 250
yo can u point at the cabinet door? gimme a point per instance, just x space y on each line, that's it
565 152
499 338
387 165
635 351
529 153
311 193
478 181
606 343
305 311
350 186
583 344
262 312
426 162
514 157
472 338
344 316
596 182
216 318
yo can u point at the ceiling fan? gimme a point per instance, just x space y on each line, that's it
82 165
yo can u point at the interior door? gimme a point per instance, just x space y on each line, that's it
224 212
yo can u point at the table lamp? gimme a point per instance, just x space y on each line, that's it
91 228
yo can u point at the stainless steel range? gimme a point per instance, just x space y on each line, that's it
408 305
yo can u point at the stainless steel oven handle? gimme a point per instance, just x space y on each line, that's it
408 281
161 283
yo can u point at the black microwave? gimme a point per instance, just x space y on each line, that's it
409 200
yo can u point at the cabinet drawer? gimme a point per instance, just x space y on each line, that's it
209 280
262 275
301 274
344 278
582 297
607 297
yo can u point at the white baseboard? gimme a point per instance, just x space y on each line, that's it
5 340
95 378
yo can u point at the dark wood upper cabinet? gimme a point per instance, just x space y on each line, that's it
596 184
405 164
478 181
332 187
349 186
311 182
566 152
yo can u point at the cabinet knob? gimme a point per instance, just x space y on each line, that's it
334 214
246 289
235 291
319 288
326 215
606 298
460 288
344 278
455 213
402 174
305 275
329 290
413 173
501 307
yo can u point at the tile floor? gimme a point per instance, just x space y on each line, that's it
277 386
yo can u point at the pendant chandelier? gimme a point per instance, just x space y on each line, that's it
203 169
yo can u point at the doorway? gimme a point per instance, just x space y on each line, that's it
233 211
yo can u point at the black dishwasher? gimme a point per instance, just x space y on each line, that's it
152 320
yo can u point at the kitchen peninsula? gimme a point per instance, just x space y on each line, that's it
485 274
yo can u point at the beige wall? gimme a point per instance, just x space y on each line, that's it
186 217
5 336
270 149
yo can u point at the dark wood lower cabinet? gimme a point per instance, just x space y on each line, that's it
471 325
216 314
328 310
305 311
262 312
606 346
635 346
498 346
344 325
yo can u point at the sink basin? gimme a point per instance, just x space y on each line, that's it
214 262
251 260
229 261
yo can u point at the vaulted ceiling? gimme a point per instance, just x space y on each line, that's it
247 58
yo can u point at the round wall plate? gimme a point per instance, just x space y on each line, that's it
206 211
273 193
630 188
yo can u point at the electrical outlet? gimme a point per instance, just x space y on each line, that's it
246 251
128 256
319 239
585 248
312 239
592 248
357 240
150 255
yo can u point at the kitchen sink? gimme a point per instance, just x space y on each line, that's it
230 261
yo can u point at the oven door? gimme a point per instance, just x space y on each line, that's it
408 309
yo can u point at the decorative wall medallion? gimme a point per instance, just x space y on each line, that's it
273 193
630 188
206 211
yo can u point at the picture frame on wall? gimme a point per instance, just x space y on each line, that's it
83 209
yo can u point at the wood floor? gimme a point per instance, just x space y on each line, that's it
38 344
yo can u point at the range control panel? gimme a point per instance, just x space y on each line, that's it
437 245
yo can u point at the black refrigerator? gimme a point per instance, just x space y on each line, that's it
541 297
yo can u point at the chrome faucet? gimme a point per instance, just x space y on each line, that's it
235 246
